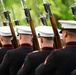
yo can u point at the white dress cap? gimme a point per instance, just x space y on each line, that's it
44 31
5 31
67 24
24 29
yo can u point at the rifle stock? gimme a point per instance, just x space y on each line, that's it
57 42
30 21
14 40
35 40
7 16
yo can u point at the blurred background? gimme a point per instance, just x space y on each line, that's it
60 9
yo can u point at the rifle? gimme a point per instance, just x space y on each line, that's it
7 16
58 43
73 10
15 20
30 21
42 18
4 23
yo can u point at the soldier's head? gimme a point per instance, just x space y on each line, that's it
45 34
68 30
5 35
24 34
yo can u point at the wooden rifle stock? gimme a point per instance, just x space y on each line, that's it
14 40
57 42
35 40
29 20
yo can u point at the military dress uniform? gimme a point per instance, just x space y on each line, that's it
5 32
62 61
13 59
4 49
33 59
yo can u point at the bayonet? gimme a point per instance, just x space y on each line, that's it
13 13
15 20
23 3
2 5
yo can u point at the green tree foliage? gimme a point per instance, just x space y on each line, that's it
60 8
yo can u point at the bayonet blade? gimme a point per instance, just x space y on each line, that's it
37 7
23 3
44 1
13 13
2 5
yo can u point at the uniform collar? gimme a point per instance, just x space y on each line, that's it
72 43
25 45
7 45
47 48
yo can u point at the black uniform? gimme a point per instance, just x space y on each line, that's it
59 62
4 49
33 60
14 59
73 72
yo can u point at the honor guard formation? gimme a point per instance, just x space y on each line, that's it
38 50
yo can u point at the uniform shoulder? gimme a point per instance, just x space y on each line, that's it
55 50
11 51
33 52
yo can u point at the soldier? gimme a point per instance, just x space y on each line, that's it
33 59
62 61
5 39
14 59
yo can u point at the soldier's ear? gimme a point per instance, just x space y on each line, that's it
41 40
65 33
1 39
19 36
